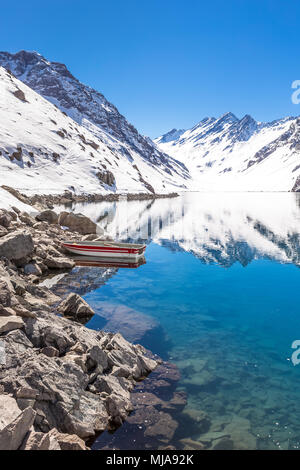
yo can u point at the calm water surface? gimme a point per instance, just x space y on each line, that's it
221 284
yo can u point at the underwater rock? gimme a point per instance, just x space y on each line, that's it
133 325
239 431
190 444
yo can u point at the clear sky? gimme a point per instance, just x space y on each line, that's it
168 63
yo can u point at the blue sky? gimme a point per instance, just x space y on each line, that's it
166 63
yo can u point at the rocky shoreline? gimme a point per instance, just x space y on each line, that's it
61 384
43 201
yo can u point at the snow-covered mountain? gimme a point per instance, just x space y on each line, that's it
57 133
239 154
66 135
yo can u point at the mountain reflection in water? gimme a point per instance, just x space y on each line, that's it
215 227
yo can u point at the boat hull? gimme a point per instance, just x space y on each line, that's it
106 251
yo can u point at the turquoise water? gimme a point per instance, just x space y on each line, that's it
226 300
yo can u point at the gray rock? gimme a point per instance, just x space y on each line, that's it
12 436
32 268
10 323
16 245
132 324
58 263
76 307
77 222
47 216
24 403
6 290
27 393
26 219
159 425
163 427
190 444
9 410
36 441
225 443
75 393
67 441
3 231
6 311
5 218
50 351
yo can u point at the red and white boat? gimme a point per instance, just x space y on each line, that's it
106 249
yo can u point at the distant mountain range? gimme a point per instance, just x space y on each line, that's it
57 133
228 153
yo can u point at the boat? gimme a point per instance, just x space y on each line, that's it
104 248
103 262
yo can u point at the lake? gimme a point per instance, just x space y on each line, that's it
217 297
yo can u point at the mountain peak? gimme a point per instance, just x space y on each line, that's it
170 136
92 111
229 117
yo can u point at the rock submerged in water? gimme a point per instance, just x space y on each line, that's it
133 324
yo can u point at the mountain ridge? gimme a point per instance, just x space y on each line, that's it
43 150
227 153
153 170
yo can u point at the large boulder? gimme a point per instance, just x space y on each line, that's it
16 246
5 218
53 262
77 223
74 306
47 216
9 410
67 441
12 436
10 323
36 441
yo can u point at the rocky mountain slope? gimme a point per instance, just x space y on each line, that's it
73 138
238 154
